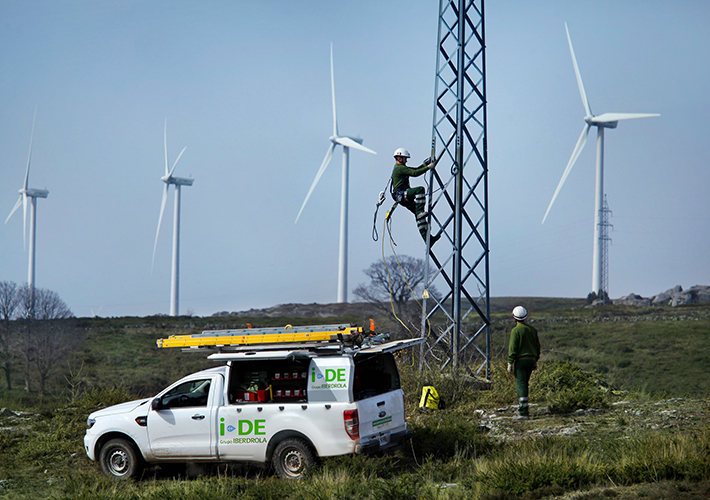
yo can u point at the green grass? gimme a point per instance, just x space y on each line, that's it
604 425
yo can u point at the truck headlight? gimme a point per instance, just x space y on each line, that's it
90 423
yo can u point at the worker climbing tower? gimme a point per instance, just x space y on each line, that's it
457 324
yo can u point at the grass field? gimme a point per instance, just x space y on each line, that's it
619 404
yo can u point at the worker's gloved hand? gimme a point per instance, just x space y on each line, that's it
381 198
429 162
510 368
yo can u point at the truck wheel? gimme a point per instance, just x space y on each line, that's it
292 458
119 459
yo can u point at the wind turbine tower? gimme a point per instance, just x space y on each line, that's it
601 122
27 193
347 143
169 179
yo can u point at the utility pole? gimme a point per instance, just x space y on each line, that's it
457 325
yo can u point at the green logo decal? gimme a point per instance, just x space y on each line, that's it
332 378
244 428
382 421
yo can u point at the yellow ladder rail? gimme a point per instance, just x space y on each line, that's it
249 336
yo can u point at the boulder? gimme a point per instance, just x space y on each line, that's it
633 300
682 299
662 299
701 292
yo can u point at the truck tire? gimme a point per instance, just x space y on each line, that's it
120 460
293 458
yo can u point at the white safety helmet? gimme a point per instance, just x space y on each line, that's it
401 152
520 313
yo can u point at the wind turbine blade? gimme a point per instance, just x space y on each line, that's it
160 221
165 142
332 92
575 154
176 161
324 165
351 143
29 155
582 93
17 205
24 218
615 117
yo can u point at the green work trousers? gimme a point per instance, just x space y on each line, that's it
523 370
414 200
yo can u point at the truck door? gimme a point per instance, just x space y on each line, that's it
181 422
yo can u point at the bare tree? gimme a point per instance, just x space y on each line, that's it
50 342
397 283
9 299
47 304
36 337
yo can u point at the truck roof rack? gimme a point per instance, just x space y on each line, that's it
229 340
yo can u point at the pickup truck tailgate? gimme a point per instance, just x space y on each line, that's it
382 421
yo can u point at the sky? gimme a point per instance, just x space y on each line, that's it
245 86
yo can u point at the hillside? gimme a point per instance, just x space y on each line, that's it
634 423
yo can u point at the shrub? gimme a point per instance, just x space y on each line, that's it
446 434
567 388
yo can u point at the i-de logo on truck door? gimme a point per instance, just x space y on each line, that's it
331 378
247 428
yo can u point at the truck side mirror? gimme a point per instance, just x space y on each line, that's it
157 404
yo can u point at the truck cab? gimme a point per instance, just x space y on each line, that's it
284 404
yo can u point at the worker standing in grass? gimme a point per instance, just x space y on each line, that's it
523 353
413 199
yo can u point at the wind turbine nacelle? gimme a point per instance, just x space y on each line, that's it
334 139
35 193
178 181
595 122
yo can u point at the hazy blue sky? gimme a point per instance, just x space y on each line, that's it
246 87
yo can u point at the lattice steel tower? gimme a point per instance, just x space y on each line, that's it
604 215
458 323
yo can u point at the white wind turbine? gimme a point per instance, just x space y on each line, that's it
178 182
606 120
32 194
347 143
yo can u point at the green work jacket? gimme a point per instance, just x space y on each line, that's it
402 173
524 343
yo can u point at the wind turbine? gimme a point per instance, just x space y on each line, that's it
178 182
606 120
347 143
32 194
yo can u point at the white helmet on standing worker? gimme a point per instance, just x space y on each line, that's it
520 313
401 152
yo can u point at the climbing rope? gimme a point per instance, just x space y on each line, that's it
387 226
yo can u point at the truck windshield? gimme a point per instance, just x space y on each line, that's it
375 374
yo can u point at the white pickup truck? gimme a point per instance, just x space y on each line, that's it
284 404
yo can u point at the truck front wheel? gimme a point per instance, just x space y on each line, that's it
119 459
292 458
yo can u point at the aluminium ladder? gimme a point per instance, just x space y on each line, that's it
256 336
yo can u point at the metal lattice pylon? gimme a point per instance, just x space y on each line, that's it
458 323
606 239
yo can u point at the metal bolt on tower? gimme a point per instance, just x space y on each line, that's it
458 196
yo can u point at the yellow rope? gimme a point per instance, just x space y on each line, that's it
389 279
404 277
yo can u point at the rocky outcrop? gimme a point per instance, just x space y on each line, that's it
303 310
676 296
633 300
